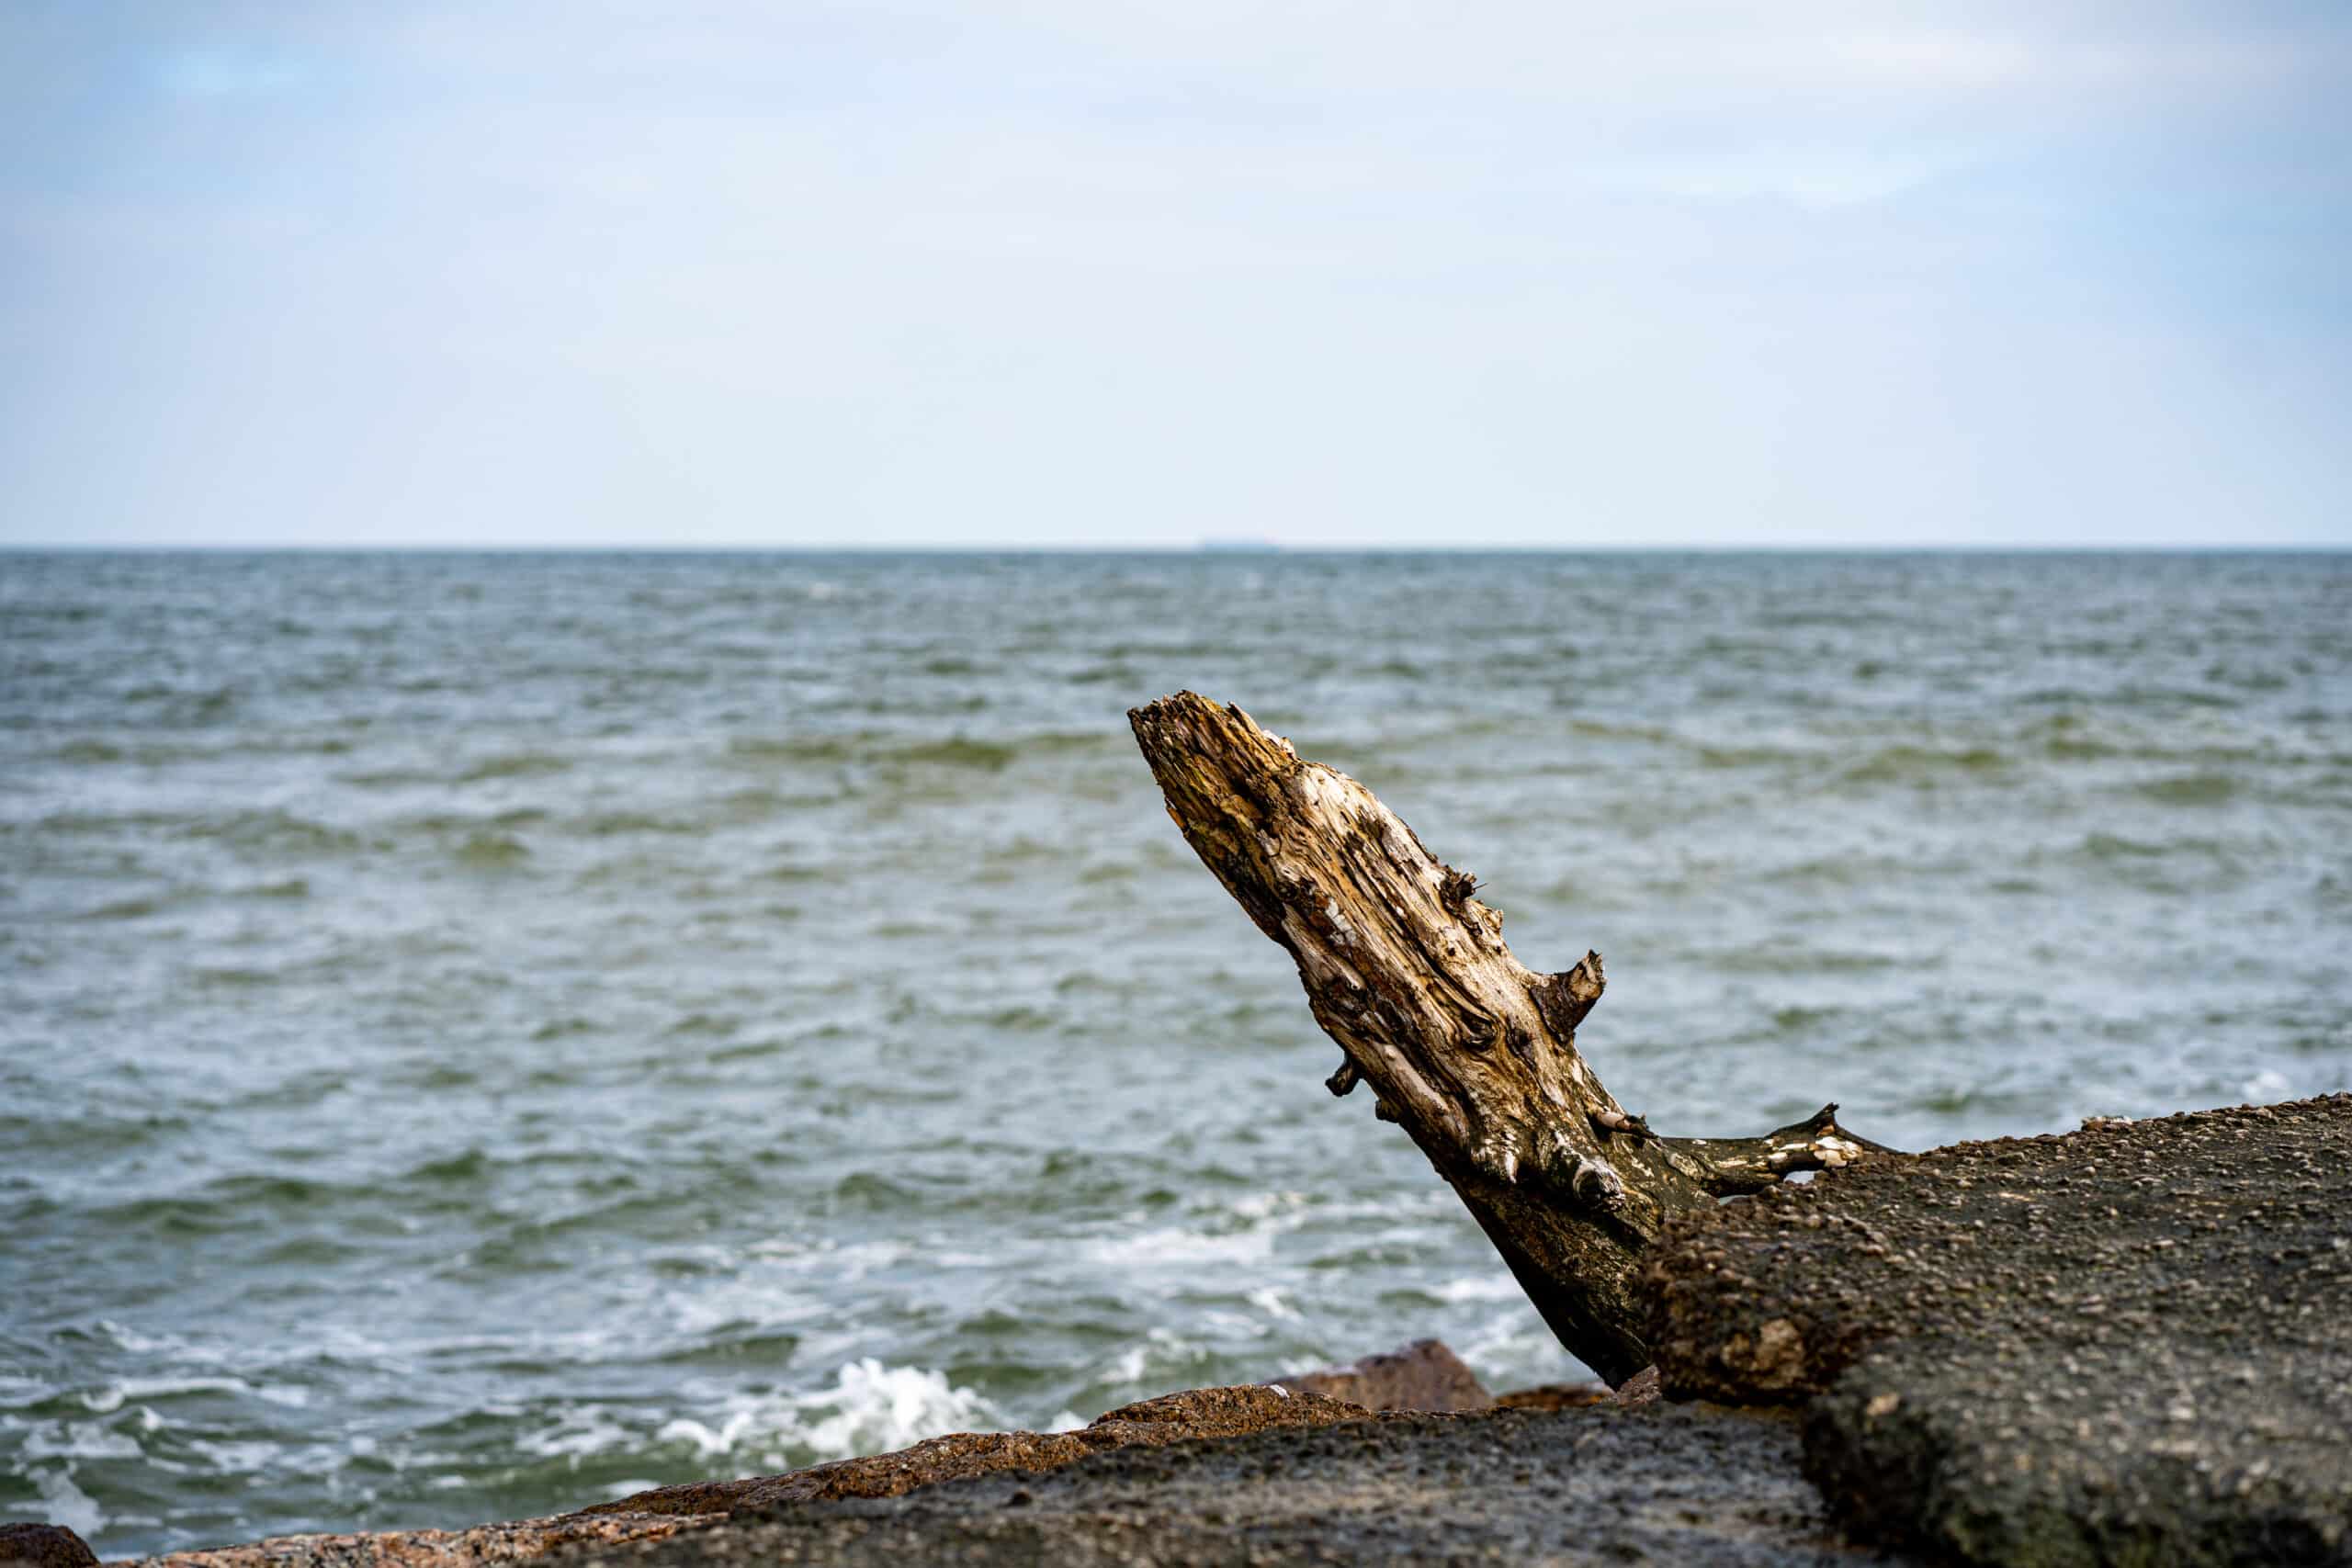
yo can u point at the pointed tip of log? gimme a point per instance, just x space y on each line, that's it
1182 703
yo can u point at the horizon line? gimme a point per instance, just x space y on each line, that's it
1212 549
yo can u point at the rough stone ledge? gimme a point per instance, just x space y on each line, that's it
666 1511
1170 1418
2131 1344
1666 1485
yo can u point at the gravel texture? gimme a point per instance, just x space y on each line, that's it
2128 1345
30 1545
1600 1486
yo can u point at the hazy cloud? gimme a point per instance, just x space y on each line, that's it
1068 273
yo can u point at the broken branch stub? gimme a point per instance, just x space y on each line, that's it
1467 1048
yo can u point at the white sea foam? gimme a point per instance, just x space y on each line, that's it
247 1458
114 1395
738 1302
80 1440
1172 1247
1514 1349
2266 1087
578 1431
138 1344
1264 1217
1274 1303
1479 1288
66 1504
869 1408
1164 1360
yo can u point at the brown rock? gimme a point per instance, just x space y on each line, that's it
1555 1396
1642 1388
44 1546
1172 1419
1424 1375
515 1542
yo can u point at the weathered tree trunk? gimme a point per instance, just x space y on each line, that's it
1469 1050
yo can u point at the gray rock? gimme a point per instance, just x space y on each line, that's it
1601 1485
2128 1345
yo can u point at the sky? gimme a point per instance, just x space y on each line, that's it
1079 273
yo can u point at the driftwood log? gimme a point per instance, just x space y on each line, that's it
1473 1053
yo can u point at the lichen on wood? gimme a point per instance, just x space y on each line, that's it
1467 1049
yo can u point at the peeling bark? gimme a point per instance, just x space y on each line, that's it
1472 1053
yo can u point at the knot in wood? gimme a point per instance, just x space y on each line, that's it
1563 998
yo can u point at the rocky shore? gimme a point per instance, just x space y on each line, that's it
2128 1345
2132 1344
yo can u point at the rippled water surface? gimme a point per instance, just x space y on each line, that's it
481 1034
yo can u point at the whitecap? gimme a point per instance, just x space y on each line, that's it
80 1440
236 1458
1273 1302
2267 1086
1264 1205
66 1504
869 1408
1162 1361
737 1303
1516 1347
872 1408
1233 1324
578 1431
114 1394
1478 1288
1159 1248
138 1344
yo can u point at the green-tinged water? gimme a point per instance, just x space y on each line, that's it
481 1034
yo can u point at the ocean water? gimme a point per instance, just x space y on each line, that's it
482 1034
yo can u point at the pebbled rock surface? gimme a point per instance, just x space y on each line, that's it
43 1546
1661 1484
1424 1375
517 1541
1172 1417
2127 1345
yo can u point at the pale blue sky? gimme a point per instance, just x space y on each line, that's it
1069 272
